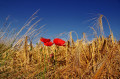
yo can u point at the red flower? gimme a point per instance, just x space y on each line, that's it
59 42
44 40
48 44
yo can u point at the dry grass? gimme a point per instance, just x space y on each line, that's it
80 59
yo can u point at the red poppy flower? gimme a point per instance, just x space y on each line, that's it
44 40
59 42
48 44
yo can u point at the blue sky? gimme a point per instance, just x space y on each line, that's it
63 15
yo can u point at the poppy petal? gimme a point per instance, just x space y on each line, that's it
48 44
58 41
44 40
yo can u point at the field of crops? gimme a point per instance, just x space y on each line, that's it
80 59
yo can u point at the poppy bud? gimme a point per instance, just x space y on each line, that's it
52 55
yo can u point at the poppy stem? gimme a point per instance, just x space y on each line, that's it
56 52
48 56
44 64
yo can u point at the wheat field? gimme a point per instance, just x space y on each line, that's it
80 59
